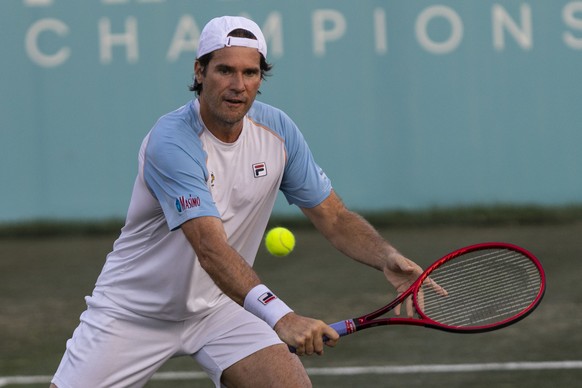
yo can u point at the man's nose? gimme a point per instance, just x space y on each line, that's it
237 82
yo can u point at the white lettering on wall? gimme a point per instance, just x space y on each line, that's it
273 31
32 47
322 35
380 39
107 40
502 22
38 3
185 38
570 19
446 46
46 46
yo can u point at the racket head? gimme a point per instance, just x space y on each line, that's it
488 286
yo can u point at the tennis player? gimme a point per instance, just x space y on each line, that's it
179 281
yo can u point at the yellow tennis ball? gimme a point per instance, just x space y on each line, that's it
280 241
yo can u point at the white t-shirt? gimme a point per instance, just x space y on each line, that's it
184 173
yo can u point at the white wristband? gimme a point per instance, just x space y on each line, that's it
263 303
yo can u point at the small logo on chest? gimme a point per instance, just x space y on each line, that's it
259 170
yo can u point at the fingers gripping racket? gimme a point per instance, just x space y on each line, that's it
474 289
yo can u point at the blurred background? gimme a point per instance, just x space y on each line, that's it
446 122
406 105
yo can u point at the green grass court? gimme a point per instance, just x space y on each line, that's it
43 281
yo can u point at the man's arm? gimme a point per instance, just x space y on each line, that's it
235 277
229 271
352 235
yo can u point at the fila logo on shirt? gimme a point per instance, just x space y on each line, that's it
260 169
267 297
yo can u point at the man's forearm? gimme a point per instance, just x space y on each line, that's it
227 268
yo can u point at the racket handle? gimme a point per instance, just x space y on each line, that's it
342 328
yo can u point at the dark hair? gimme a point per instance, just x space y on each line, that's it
205 60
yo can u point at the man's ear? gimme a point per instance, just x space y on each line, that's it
198 71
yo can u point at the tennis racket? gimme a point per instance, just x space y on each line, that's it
478 288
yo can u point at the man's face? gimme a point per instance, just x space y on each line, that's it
230 84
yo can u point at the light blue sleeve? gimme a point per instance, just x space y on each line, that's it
304 183
175 172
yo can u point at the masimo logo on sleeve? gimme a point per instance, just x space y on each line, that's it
185 203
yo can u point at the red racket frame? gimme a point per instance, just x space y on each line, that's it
371 320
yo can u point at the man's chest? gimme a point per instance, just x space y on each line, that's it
246 172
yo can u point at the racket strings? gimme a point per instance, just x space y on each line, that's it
483 288
484 270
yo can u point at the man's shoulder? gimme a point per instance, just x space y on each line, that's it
260 107
269 116
179 128
183 118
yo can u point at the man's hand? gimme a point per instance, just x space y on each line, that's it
402 273
305 334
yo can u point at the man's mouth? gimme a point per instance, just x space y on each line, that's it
234 101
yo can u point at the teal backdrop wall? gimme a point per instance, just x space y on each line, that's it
406 104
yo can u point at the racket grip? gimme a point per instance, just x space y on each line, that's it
342 328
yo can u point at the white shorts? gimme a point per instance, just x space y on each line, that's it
113 347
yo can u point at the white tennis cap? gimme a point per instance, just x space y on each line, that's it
214 35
